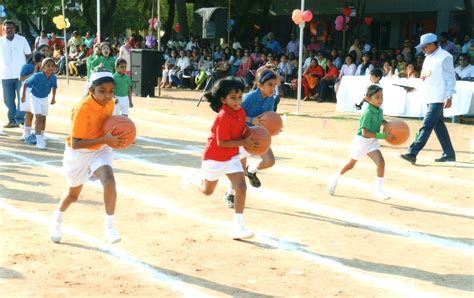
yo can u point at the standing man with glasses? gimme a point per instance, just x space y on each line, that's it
14 51
438 82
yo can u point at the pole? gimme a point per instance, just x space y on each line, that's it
228 31
65 43
300 63
98 21
158 26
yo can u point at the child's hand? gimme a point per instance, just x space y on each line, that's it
390 136
116 101
23 98
101 65
258 121
131 104
113 141
53 101
250 141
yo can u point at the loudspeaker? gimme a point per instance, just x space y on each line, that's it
145 68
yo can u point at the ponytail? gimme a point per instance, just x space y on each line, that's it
359 105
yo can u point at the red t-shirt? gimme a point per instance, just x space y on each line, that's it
229 125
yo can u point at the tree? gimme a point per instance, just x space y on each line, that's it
182 17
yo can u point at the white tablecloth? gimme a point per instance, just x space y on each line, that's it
398 102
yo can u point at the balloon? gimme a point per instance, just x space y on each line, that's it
296 16
232 22
60 18
2 14
2 8
339 20
368 21
177 27
307 16
60 26
150 41
67 23
152 23
347 19
55 20
346 11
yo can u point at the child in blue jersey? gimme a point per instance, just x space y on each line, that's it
366 141
41 84
221 155
25 106
255 104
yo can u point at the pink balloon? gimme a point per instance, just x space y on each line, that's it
307 16
347 19
296 16
339 20
339 27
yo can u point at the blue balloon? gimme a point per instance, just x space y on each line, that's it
3 14
232 22
2 8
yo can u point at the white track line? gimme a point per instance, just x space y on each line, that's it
319 209
157 275
395 285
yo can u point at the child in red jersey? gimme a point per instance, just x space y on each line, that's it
221 155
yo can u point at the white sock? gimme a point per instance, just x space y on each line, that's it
26 130
109 221
238 218
58 216
378 183
42 132
337 175
252 168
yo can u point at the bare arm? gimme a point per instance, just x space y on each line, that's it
107 139
130 96
53 100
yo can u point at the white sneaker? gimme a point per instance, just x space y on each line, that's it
112 236
23 137
40 143
2 133
381 195
332 183
240 232
55 231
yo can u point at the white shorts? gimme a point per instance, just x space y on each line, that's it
80 164
361 146
39 106
213 170
122 107
244 153
26 106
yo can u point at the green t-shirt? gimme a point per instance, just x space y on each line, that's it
371 120
122 83
89 64
108 62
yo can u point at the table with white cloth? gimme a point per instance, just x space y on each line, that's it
397 101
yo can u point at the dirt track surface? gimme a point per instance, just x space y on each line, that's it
176 243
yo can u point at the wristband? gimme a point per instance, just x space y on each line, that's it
380 135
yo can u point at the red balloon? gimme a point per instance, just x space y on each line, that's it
346 11
307 16
368 21
297 16
177 27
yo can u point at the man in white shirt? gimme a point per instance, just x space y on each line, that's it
14 51
439 82
182 63
465 70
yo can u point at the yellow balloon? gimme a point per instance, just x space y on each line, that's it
60 26
55 20
60 18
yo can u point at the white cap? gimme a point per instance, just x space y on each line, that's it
99 75
426 39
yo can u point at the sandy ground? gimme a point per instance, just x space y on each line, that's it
176 243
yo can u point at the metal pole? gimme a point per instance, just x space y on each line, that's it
158 26
228 31
300 63
98 21
65 43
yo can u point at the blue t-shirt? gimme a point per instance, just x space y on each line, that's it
254 104
27 69
40 85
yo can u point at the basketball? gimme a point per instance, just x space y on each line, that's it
261 136
398 128
272 122
122 124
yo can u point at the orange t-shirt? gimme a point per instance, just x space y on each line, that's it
88 119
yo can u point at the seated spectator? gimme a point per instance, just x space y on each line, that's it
394 65
419 62
467 45
245 65
223 67
311 78
169 70
293 61
182 65
376 75
293 46
401 64
230 56
61 63
408 52
78 60
235 44
256 55
348 69
307 62
217 55
235 65
465 70
53 40
388 70
336 59
409 72
271 59
205 70
56 53
273 44
313 45
365 67
321 60
329 79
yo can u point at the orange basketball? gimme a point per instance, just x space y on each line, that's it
261 136
273 122
398 128
122 124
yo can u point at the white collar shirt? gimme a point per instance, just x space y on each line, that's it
12 56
